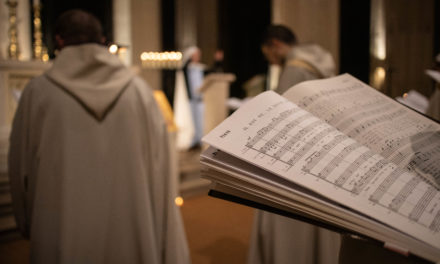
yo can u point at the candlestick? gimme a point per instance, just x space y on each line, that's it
13 48
39 50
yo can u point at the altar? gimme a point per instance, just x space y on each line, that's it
14 75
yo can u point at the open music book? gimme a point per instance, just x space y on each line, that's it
338 152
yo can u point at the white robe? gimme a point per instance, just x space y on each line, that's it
303 63
182 113
277 239
88 166
195 79
434 104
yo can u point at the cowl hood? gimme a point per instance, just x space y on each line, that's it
315 56
91 74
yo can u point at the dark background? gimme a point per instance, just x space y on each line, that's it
51 9
240 29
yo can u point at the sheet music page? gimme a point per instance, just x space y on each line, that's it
276 135
397 133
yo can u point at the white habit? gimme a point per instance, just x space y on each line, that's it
277 239
89 167
434 104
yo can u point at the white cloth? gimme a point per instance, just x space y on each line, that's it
188 53
277 239
182 113
88 166
319 64
434 104
195 73
433 109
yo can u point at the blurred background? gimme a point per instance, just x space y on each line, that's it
388 44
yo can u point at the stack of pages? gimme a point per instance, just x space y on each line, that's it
337 152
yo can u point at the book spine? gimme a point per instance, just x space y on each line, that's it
396 248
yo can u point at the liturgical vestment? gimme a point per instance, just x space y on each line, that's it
278 239
89 166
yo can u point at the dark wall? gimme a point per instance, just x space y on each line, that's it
51 9
436 45
168 44
241 24
436 28
355 38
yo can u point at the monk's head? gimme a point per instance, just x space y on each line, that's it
276 43
75 27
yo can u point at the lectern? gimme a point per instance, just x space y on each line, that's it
215 93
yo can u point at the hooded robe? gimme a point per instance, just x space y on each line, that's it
88 166
281 240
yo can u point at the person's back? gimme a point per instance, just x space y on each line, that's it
88 165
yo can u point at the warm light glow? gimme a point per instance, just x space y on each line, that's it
274 76
161 60
379 77
113 49
178 201
45 57
378 28
380 72
405 95
144 56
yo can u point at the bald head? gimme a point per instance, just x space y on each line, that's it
75 27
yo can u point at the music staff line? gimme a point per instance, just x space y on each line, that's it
394 206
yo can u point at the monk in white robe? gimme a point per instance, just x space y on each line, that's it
88 163
194 75
277 239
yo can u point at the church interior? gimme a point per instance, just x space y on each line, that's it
388 44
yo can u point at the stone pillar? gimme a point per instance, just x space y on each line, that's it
146 36
122 28
186 23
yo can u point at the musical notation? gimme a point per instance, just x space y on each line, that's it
403 194
435 225
293 138
342 179
264 130
347 118
345 165
313 159
422 204
375 121
305 148
384 186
